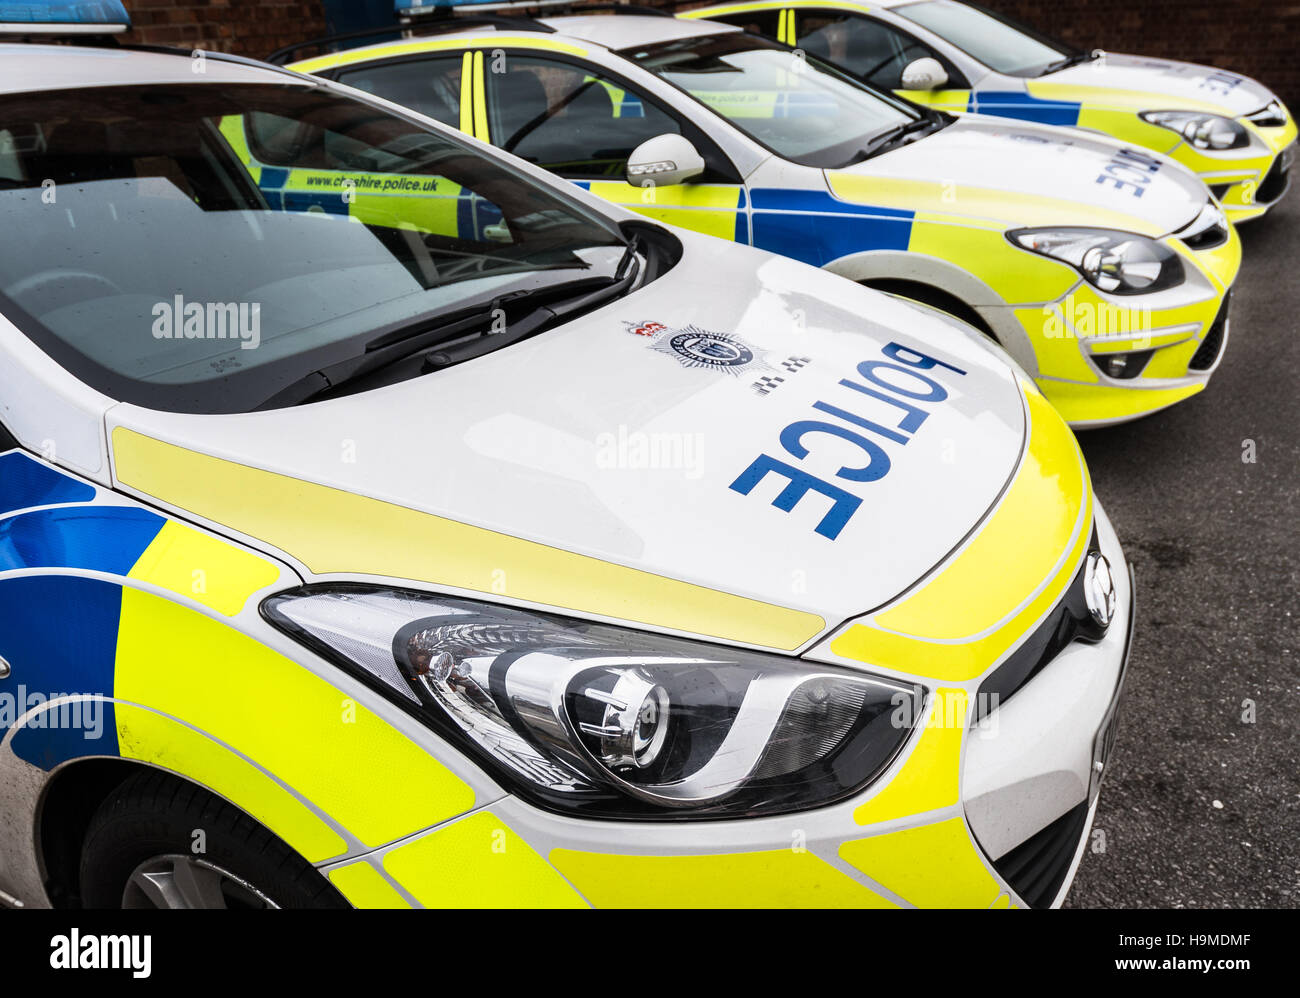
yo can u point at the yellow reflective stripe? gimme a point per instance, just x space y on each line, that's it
204 568
355 56
331 530
467 93
232 129
725 197
933 866
1097 403
344 759
478 863
781 878
786 21
153 738
721 10
480 100
366 887
1019 546
928 779
954 100
977 595
1116 98
1016 275
965 201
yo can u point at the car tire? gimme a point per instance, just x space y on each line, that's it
160 842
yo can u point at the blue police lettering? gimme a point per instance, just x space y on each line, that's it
844 505
906 361
1137 165
877 465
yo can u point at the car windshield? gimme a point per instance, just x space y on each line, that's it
802 110
998 42
200 246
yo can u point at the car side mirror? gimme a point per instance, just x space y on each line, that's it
663 161
924 74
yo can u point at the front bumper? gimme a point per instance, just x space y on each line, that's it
940 829
1174 340
1248 187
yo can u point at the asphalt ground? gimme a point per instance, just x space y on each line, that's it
1201 807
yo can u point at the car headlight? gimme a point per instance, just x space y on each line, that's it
606 721
1204 131
1121 263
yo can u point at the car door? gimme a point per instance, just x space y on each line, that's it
579 121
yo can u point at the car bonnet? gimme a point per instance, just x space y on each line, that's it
1146 84
1022 174
641 463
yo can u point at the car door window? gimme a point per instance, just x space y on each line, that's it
430 86
867 48
568 119
762 22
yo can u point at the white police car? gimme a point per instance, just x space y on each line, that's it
488 545
1234 132
1103 269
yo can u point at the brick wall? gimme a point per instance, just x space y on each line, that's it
1253 37
245 27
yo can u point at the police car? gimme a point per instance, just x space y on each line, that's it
1230 130
1103 269
483 544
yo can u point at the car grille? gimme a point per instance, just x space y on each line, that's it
1208 353
1274 184
1207 230
1067 622
1037 867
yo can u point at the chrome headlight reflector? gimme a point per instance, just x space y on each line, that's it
1120 263
606 721
1201 129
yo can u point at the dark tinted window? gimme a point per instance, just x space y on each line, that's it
199 246
865 47
568 118
428 85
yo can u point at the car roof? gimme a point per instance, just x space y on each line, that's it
27 68
739 6
623 31
611 32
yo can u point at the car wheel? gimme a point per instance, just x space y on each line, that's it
160 842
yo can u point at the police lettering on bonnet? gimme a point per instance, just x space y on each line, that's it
889 401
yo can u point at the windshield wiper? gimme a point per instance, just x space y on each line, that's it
885 139
1066 63
625 276
474 324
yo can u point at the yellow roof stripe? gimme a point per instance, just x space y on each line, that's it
417 46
